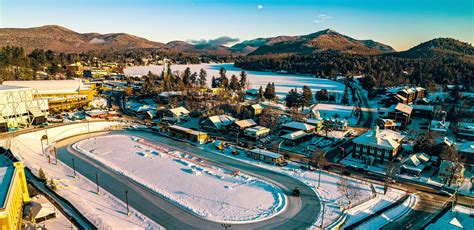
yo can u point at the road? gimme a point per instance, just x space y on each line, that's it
367 113
300 213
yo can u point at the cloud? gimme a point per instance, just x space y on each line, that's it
259 7
321 18
215 42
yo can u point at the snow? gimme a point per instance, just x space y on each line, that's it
105 210
460 213
328 191
283 82
211 191
390 215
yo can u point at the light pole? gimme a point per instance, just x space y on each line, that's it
74 167
322 217
126 201
226 226
97 182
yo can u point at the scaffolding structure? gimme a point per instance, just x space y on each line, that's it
22 106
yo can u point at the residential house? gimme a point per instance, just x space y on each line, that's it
257 132
466 151
465 130
400 113
239 126
440 126
296 137
256 109
176 114
217 122
415 164
316 122
426 111
387 124
188 134
377 146
297 126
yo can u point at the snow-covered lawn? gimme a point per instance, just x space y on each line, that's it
460 217
283 82
342 111
208 190
105 210
328 191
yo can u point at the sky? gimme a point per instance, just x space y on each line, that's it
399 23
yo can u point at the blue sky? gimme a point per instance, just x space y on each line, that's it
401 24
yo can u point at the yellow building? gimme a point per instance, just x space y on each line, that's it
13 194
62 95
77 68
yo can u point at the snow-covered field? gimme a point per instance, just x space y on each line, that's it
328 191
105 210
208 190
283 82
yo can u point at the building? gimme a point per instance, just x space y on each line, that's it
62 95
176 114
400 113
21 107
337 124
411 93
239 126
449 170
316 122
415 164
217 122
466 151
440 126
256 109
188 134
13 191
387 124
426 111
257 132
296 137
465 130
266 156
76 68
377 146
297 126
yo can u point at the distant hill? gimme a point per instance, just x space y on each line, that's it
319 41
199 48
61 39
439 47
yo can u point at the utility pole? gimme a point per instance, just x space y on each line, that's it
74 167
226 226
322 217
126 201
55 155
97 182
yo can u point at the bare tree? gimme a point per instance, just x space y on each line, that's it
348 189
391 171
449 153
319 158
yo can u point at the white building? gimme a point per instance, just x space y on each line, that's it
20 107
378 146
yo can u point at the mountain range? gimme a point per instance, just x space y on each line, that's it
60 39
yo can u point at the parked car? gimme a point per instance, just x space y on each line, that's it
283 163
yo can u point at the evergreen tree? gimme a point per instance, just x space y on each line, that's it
270 92
41 174
222 72
203 78
186 76
345 96
261 94
322 95
234 83
215 83
193 79
52 184
307 96
243 80
293 99
224 82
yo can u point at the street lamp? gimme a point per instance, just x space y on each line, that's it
97 182
226 226
322 217
126 201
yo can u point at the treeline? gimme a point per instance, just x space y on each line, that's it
385 70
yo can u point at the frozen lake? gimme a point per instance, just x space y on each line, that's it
283 82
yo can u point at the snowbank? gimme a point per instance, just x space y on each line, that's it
208 190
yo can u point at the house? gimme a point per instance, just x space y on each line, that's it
465 130
377 146
295 138
256 109
400 113
188 134
297 126
448 170
316 122
239 126
266 156
176 114
387 124
466 151
426 111
415 164
439 126
256 132
217 122
411 93
337 124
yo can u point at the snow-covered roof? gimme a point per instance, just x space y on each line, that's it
401 107
245 123
256 106
11 87
257 129
423 107
6 175
439 125
51 86
294 135
266 153
313 121
384 138
179 111
220 120
467 147
466 125
299 125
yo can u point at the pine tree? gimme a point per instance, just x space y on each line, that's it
52 184
41 174
307 96
243 80
261 94
269 93
345 96
186 76
214 82
203 78
234 83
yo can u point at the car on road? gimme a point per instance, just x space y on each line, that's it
283 163
296 191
